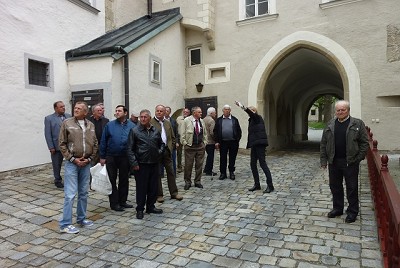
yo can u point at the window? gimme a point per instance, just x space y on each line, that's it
256 8
89 5
155 71
38 73
217 73
194 56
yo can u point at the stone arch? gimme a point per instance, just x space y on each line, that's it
261 93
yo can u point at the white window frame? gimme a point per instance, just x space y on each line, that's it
242 9
155 78
50 72
190 49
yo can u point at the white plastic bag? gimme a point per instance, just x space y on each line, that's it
100 181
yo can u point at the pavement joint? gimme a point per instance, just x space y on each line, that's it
222 225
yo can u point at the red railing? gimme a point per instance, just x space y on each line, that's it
386 199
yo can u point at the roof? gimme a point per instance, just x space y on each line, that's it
126 38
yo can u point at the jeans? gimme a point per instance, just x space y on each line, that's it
76 179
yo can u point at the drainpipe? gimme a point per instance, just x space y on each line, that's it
149 8
126 80
126 76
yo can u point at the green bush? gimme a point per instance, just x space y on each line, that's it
316 125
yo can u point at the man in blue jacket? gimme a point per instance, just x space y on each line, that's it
113 152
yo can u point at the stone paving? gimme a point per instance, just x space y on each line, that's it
222 225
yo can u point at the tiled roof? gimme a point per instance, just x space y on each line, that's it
126 38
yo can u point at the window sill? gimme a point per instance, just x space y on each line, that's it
336 3
257 19
86 6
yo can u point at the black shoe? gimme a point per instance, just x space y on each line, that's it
154 211
210 173
334 213
59 184
125 205
350 218
268 190
255 187
117 208
222 176
139 215
232 176
187 186
198 185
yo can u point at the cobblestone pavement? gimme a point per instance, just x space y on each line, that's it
222 225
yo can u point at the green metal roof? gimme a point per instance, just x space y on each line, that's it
126 38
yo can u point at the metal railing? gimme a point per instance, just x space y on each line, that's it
386 200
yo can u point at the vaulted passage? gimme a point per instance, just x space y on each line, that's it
295 83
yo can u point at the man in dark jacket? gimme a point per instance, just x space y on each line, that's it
257 141
344 144
145 148
99 122
113 153
227 134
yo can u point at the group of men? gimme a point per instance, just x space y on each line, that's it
139 147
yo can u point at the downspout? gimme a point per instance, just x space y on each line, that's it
149 8
126 81
126 76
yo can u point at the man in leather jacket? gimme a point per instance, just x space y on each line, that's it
145 148
344 144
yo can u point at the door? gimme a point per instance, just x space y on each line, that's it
91 97
203 103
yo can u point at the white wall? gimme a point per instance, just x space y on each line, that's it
169 47
46 29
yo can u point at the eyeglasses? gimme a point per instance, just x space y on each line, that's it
341 110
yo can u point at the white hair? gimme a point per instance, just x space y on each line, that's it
210 110
226 106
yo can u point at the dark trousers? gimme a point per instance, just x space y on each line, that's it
179 152
232 148
146 186
210 149
56 161
166 162
258 153
337 170
194 154
174 160
118 166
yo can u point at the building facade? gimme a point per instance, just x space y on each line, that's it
265 53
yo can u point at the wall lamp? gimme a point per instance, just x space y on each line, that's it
199 87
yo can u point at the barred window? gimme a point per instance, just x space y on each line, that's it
38 73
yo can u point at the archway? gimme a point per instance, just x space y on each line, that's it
292 74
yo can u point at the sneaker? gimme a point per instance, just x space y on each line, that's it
85 223
70 229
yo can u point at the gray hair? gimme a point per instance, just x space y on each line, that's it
226 106
145 111
211 110
343 102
